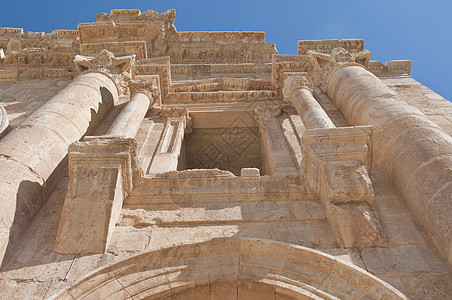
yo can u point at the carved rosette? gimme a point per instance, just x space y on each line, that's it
118 68
325 64
293 82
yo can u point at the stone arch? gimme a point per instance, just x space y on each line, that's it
231 268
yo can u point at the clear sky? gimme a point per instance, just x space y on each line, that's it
418 30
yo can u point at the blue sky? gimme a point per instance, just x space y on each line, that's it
419 30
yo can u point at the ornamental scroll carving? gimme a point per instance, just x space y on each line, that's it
118 68
325 64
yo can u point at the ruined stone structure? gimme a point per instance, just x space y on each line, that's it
139 162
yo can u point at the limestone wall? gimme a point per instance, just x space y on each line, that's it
245 174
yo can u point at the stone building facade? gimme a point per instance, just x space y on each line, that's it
139 162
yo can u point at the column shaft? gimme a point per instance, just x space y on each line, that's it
414 153
129 120
310 111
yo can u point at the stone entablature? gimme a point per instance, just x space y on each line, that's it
126 32
326 46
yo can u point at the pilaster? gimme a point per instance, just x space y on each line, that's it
277 158
169 151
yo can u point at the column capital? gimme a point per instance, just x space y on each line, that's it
294 81
268 111
149 87
119 69
326 63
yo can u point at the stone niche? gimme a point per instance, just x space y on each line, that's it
228 141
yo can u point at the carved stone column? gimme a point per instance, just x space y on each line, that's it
414 153
336 162
297 91
277 158
169 150
36 149
131 116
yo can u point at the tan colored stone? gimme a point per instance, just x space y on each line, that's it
212 167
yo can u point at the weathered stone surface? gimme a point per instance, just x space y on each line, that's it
213 167
96 193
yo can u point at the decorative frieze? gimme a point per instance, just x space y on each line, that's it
327 46
394 66
46 73
117 48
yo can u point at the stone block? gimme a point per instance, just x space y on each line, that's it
95 194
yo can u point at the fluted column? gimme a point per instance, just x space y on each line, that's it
414 153
297 91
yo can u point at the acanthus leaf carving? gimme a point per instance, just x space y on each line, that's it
294 81
149 87
118 68
324 64
268 111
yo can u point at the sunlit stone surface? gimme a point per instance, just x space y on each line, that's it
141 162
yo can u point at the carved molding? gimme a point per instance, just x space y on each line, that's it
326 46
282 64
8 75
178 113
